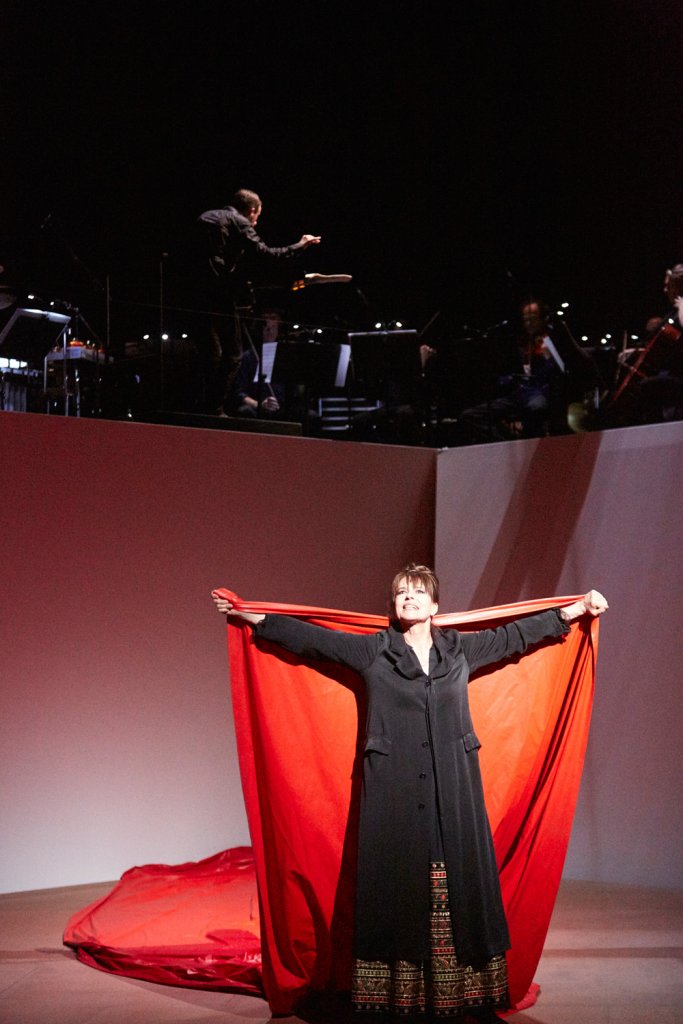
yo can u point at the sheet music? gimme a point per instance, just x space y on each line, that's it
342 366
268 350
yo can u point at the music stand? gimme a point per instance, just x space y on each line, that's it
470 368
303 369
387 362
319 367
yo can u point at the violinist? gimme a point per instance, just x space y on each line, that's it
531 403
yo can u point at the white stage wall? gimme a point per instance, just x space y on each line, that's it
116 735
117 744
537 518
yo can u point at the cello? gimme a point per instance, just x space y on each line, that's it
662 355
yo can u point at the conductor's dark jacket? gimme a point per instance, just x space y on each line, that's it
228 235
422 793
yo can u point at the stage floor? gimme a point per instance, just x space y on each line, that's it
614 955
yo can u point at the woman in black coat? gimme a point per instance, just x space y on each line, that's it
430 927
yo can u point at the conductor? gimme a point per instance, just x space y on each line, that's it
227 235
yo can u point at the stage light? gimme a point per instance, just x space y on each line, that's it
145 337
560 312
634 337
319 330
397 323
603 341
565 305
164 337
584 337
378 326
609 337
295 327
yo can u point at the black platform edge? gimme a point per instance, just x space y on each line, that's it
207 422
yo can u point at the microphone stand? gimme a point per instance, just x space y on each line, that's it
162 369
94 281
257 349
494 327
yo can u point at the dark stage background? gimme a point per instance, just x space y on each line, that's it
452 162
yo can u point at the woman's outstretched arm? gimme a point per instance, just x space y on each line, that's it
226 607
352 649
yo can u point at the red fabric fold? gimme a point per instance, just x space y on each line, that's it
297 731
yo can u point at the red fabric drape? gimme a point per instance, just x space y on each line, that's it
297 728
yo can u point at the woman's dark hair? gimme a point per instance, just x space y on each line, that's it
417 574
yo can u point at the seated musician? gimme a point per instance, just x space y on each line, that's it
650 389
254 398
662 386
532 403
673 289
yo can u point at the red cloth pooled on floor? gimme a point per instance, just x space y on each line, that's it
192 924
297 730
297 733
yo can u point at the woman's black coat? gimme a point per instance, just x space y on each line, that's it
421 771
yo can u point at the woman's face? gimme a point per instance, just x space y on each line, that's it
412 603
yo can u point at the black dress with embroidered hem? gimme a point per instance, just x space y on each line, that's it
440 987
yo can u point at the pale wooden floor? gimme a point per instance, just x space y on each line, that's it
614 955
